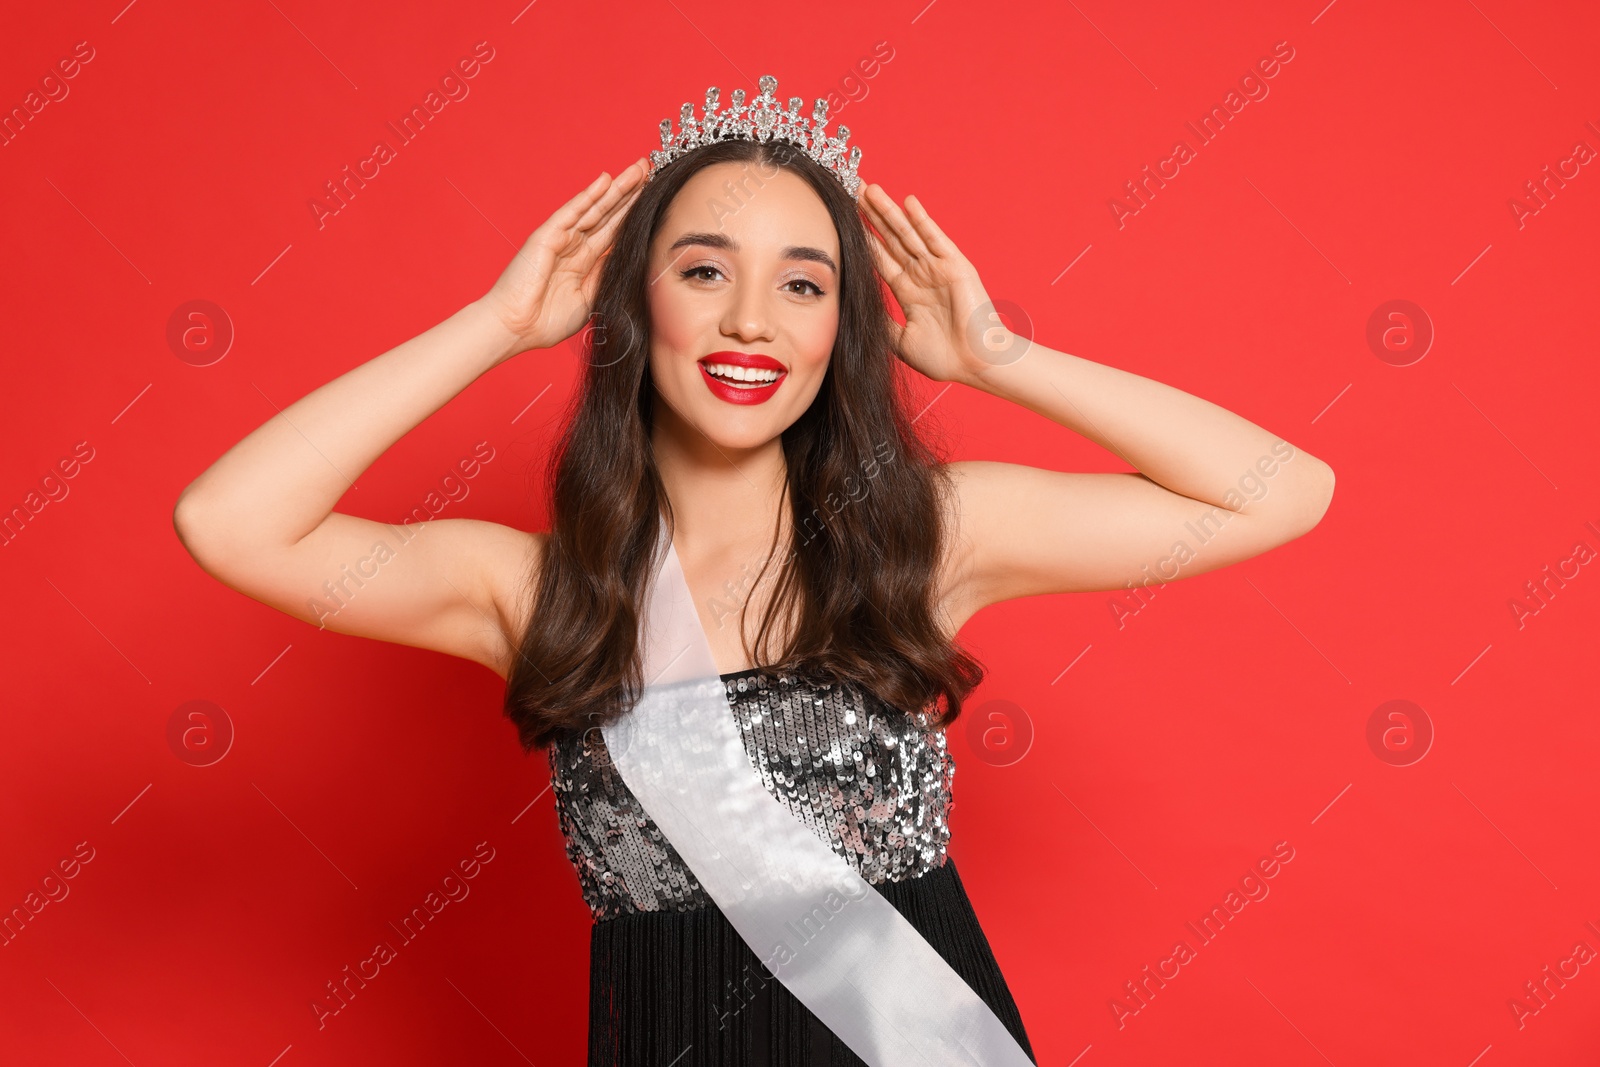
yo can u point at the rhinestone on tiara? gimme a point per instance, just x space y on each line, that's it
763 120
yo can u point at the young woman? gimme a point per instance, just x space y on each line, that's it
741 387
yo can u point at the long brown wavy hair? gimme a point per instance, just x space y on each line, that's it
863 490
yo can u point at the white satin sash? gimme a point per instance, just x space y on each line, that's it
822 930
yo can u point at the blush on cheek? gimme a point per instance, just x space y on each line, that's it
817 343
671 324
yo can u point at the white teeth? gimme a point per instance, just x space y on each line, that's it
742 374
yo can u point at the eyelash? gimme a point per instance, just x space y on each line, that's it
817 289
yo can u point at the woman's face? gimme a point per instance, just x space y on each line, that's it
743 274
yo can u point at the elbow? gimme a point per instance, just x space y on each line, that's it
199 528
228 537
1302 507
187 523
1318 498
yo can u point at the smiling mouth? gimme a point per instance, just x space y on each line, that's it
735 383
742 377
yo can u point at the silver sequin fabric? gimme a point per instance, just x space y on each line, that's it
872 782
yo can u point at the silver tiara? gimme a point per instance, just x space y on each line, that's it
763 120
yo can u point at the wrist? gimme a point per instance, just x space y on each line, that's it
497 341
979 375
1003 351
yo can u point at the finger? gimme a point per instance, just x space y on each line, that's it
895 247
626 187
590 285
569 213
886 235
887 267
893 275
606 232
621 186
597 211
898 224
932 235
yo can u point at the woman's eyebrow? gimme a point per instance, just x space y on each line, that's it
723 241
816 255
712 240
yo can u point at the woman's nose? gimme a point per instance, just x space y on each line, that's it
749 315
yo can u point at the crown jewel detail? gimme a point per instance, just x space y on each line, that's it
763 120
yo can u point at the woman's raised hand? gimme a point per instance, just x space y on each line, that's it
545 295
952 332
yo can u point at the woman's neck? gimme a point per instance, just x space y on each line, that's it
722 499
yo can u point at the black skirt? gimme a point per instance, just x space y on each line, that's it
681 988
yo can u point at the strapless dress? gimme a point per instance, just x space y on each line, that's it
671 982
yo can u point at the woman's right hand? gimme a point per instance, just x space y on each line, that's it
544 296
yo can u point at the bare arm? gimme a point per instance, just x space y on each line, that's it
261 518
1211 487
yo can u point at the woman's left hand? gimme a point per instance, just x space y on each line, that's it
951 333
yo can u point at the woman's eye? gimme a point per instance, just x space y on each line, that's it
693 271
815 288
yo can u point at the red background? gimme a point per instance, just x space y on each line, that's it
1228 715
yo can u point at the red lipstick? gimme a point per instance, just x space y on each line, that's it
741 393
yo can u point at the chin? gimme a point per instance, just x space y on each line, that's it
735 430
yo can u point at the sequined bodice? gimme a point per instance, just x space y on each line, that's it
869 780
